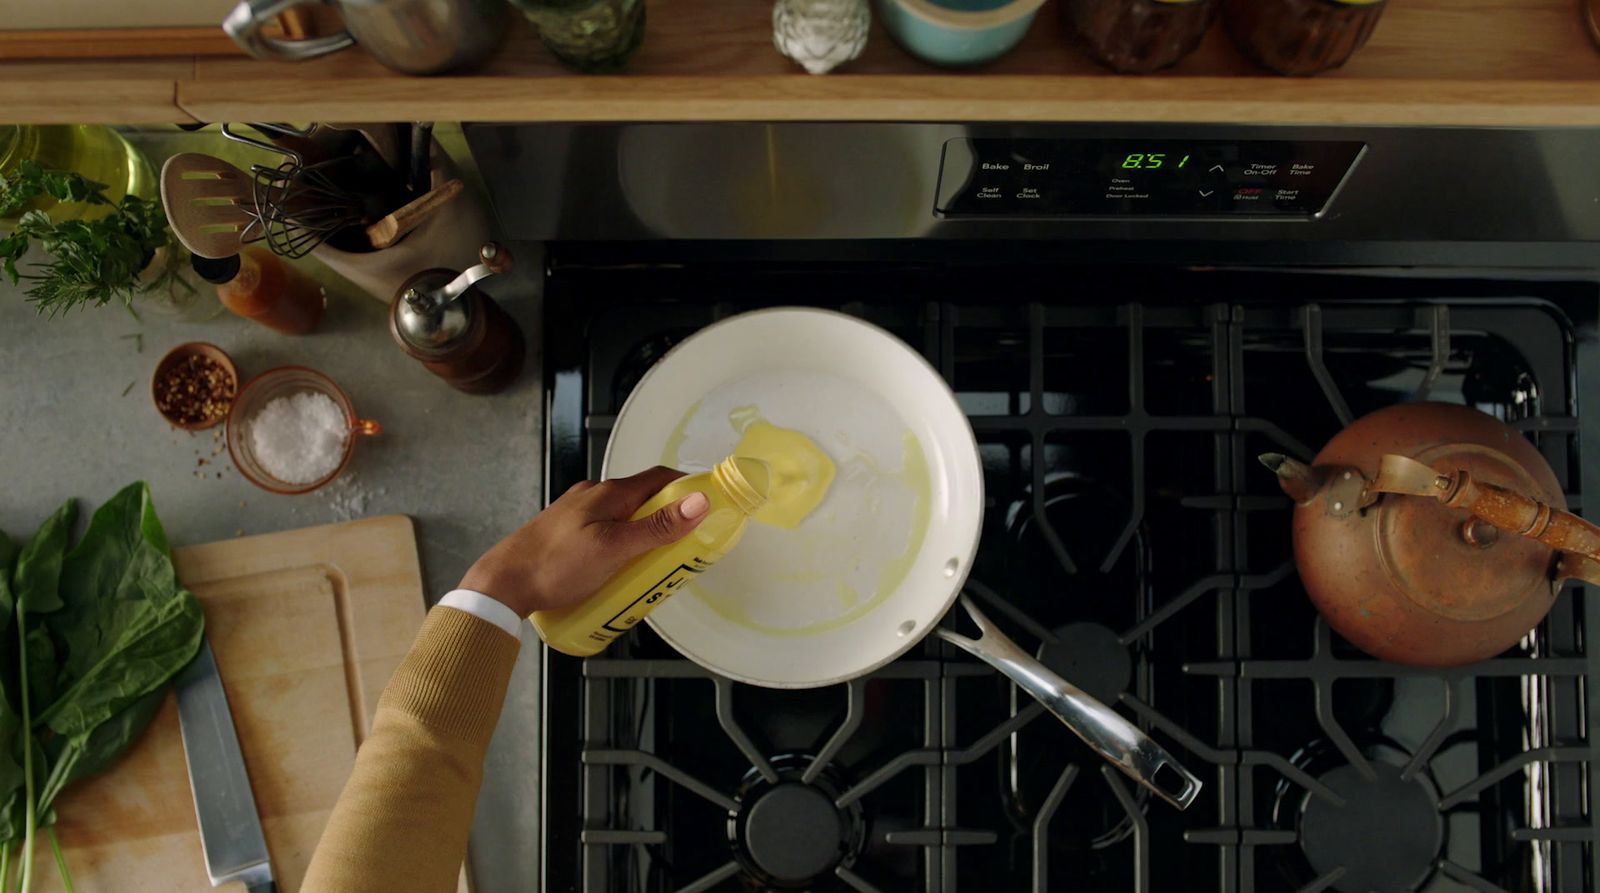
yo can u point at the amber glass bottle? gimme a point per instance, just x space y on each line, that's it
259 286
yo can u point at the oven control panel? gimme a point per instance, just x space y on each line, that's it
1141 178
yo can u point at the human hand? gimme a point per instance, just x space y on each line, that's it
583 539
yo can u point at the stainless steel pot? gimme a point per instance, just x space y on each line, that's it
410 36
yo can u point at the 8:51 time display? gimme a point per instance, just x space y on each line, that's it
1149 161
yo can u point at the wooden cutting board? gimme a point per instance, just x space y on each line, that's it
307 625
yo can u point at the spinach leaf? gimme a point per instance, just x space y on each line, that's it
36 584
37 577
131 654
40 653
89 639
80 757
12 802
126 627
8 560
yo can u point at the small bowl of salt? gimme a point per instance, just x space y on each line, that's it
292 429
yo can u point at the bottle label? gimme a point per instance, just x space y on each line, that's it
663 589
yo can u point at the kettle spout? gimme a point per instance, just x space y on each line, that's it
1299 480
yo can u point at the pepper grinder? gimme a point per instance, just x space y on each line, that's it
459 333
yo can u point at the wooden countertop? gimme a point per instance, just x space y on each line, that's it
1437 62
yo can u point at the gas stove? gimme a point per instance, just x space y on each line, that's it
1129 314
1133 541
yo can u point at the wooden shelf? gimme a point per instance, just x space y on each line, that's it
1438 62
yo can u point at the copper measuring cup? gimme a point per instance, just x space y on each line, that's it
280 382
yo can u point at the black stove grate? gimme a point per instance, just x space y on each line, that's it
1130 536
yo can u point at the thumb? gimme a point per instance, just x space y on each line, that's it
663 527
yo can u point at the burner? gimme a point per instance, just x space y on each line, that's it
1385 836
1089 656
793 832
1082 608
789 833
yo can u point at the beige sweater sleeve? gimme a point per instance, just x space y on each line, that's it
401 824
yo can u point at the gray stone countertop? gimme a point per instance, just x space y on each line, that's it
77 421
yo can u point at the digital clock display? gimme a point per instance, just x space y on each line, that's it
1138 178
1149 161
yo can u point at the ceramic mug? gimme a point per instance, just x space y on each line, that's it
958 32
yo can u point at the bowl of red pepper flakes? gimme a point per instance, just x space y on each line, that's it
194 385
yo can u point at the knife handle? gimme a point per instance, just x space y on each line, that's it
263 887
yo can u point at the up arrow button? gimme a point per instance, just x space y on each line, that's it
1217 167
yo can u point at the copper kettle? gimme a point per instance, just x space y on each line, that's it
1433 534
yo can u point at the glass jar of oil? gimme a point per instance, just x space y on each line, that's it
93 150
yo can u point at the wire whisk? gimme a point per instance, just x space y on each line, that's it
300 206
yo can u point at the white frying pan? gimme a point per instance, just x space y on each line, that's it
879 562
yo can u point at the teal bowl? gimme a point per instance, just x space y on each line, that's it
958 32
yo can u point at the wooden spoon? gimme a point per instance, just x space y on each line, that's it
210 203
408 217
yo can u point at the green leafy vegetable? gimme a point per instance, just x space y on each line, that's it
126 624
38 570
40 652
11 782
8 560
91 261
32 181
90 638
73 759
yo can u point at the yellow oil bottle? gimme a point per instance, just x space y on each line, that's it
736 488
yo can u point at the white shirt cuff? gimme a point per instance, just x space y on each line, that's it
484 608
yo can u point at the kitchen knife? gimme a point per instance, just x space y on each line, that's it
230 828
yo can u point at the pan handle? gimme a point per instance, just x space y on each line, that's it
1123 743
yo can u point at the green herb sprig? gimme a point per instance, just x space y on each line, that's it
90 261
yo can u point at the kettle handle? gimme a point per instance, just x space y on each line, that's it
1577 540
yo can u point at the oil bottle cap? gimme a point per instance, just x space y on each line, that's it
745 481
218 270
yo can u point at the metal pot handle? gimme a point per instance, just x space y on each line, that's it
1100 727
1577 541
245 21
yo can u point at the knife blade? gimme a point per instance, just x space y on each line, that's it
230 827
